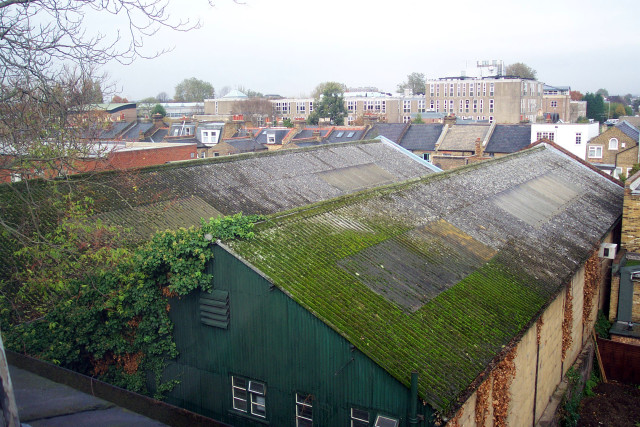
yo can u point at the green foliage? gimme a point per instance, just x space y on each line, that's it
591 383
595 107
582 119
418 120
522 70
415 82
287 123
329 104
113 323
159 109
571 407
602 92
193 90
602 325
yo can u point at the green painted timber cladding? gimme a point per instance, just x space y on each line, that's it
272 339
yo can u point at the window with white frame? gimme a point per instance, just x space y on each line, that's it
437 105
369 105
437 90
617 172
460 107
595 152
202 154
458 91
431 87
351 106
554 104
628 171
466 106
406 119
613 144
359 418
490 119
310 106
551 136
381 106
216 106
426 156
249 396
491 88
451 106
475 105
471 89
431 105
406 106
491 105
384 421
304 410
300 108
481 105
484 89
578 137
451 86
350 120
422 105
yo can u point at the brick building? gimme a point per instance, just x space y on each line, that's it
500 99
616 149
624 309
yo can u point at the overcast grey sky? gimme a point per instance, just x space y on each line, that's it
289 46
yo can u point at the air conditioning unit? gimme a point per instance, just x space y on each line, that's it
607 250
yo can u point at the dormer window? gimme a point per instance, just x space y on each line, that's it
613 144
271 138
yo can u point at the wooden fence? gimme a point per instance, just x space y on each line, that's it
621 361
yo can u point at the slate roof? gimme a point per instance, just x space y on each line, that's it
179 194
422 137
629 130
308 133
463 137
279 134
159 135
391 131
509 139
346 135
134 132
245 145
441 284
115 129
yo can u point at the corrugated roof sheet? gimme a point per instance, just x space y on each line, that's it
439 275
259 183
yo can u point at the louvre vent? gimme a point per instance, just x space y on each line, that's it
214 309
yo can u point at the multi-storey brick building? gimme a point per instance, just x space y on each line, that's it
382 107
500 99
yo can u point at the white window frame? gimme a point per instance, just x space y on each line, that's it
388 421
310 106
406 119
357 420
426 157
616 172
406 106
304 402
351 106
578 138
300 108
254 400
595 152
422 105
491 88
613 143
554 104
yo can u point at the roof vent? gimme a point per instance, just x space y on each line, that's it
607 250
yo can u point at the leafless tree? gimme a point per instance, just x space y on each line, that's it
253 109
49 84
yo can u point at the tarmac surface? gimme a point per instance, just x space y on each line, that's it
42 402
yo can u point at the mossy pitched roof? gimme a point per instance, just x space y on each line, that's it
440 274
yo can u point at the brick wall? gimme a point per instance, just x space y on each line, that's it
139 158
630 236
538 363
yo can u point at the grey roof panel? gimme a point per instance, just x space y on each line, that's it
422 137
629 130
509 139
463 137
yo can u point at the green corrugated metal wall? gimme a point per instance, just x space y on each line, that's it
274 340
